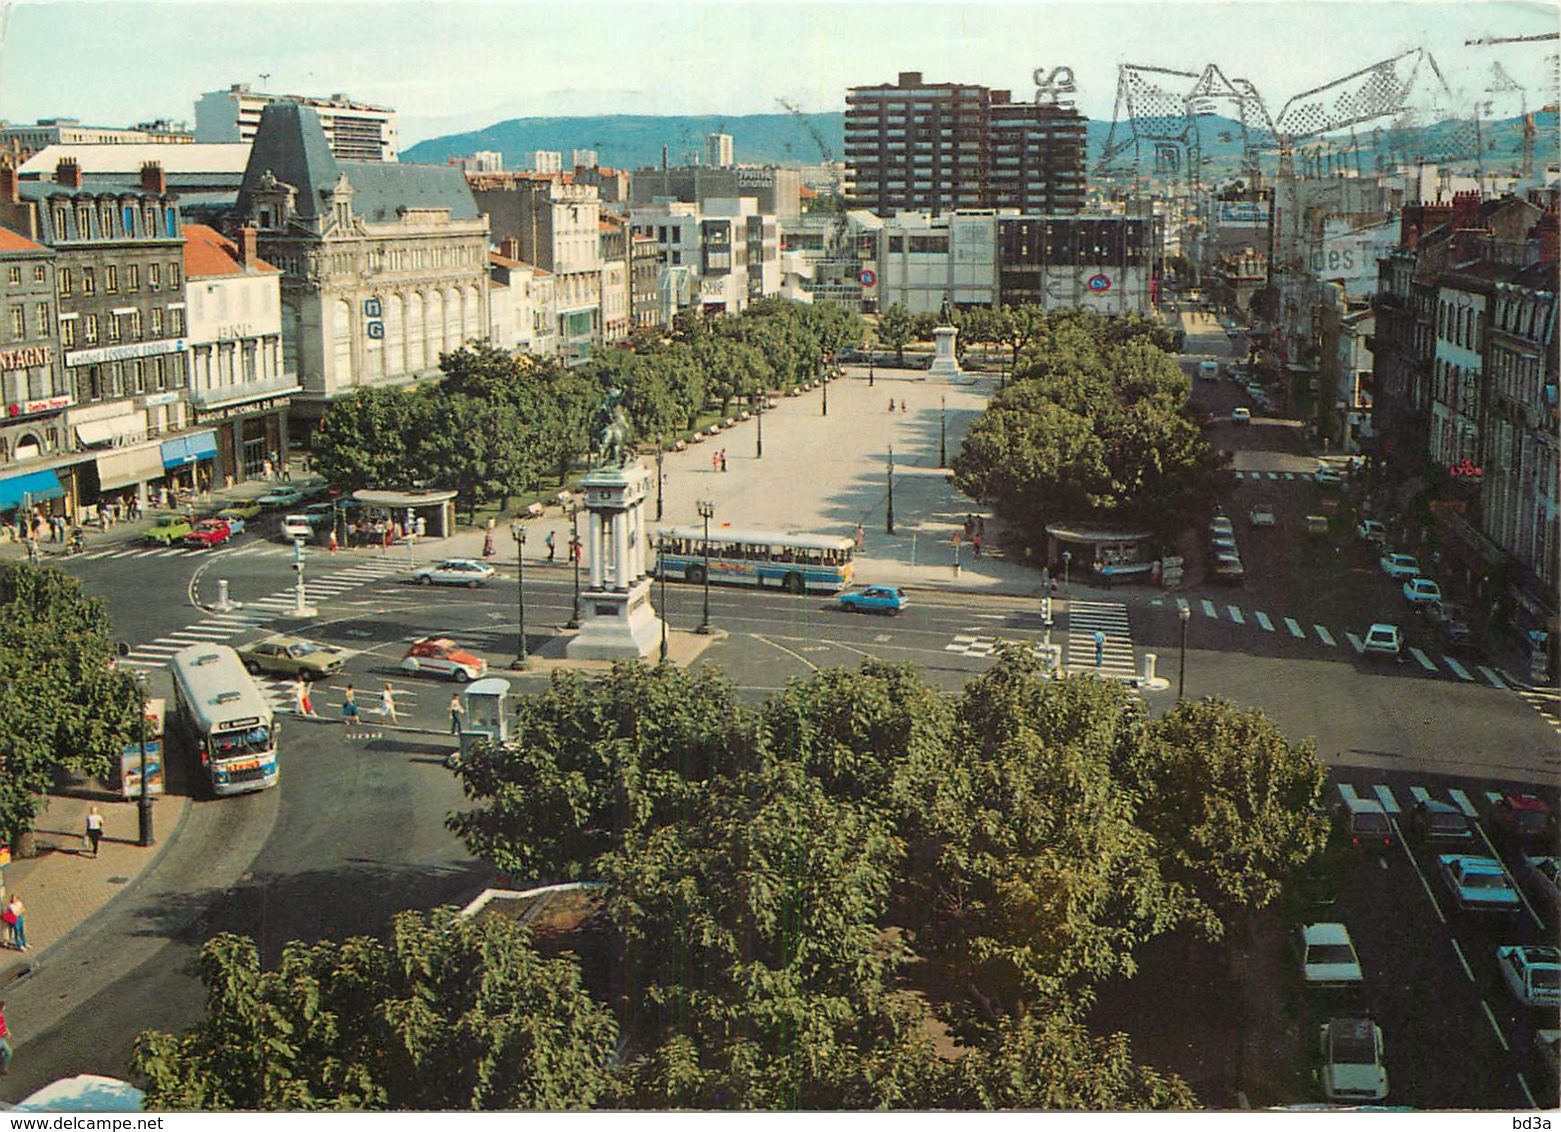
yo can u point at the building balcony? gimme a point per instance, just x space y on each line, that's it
244 391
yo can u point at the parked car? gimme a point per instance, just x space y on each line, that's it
293 656
295 527
1241 415
874 599
1478 884
1326 476
1208 371
1228 569
1532 974
1419 591
1524 818
1433 820
454 572
236 524
208 534
1457 636
1399 566
282 496
317 514
1544 877
1372 530
443 656
168 529
1262 515
1368 822
1436 612
1352 1060
1383 640
240 509
1328 958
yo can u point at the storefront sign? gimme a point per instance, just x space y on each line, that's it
45 405
233 330
120 353
161 398
26 357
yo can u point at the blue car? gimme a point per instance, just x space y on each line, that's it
874 599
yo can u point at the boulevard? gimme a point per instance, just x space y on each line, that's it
355 831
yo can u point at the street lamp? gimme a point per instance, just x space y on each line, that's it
144 802
517 531
870 358
758 409
889 526
823 384
661 570
574 553
1184 613
660 479
1067 561
943 415
706 509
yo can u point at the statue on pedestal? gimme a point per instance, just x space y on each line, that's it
612 431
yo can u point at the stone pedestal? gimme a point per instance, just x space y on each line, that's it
944 362
617 621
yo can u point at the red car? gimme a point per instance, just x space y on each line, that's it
209 534
1523 818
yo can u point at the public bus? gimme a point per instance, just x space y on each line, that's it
225 718
785 560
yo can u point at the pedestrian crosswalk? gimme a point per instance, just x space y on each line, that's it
1277 476
258 613
1397 803
1099 639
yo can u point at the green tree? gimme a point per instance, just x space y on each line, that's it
63 704
366 439
895 329
451 1013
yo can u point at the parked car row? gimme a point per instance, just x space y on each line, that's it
1224 556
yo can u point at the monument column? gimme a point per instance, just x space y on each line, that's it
598 548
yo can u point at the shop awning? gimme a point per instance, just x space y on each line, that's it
183 450
112 430
126 466
30 488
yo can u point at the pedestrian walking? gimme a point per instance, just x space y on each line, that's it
94 829
547 541
723 459
456 712
574 550
487 544
1100 648
15 918
387 704
303 704
715 461
5 1043
903 409
861 536
975 542
349 703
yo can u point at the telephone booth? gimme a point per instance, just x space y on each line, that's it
484 703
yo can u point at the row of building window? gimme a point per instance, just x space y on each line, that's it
19 322
65 280
113 380
13 274
111 220
126 327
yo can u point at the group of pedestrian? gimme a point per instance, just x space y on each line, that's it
14 919
303 702
903 409
975 532
718 461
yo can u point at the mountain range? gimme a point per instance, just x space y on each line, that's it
635 141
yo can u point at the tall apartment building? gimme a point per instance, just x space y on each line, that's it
547 161
938 147
355 131
718 150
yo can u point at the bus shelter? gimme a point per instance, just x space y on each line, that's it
426 514
1114 553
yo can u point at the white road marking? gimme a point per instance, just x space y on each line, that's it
1294 627
1355 642
1458 670
1325 636
1263 621
1425 662
1458 951
1491 1018
1495 680
1235 615
1461 800
1385 796
1208 609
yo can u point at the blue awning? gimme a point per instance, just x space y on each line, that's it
30 488
183 450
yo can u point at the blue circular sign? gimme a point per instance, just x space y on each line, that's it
1099 283
868 278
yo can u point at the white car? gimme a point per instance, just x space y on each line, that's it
1241 415
1478 884
1352 1060
454 572
1262 515
1326 476
1328 958
1420 591
1372 530
1383 640
1532 974
1545 873
1399 565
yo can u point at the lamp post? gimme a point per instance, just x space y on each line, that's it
1067 561
661 571
758 409
517 531
660 479
889 525
943 415
1184 613
823 384
144 802
706 509
871 357
574 553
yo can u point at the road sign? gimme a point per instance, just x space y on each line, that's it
1099 283
868 277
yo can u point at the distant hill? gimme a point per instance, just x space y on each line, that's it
635 141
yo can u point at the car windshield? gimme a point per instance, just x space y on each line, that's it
308 649
1445 822
1545 978
1484 880
1320 953
1370 822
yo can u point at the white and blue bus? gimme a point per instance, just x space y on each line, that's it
224 717
785 560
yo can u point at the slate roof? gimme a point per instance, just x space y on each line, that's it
290 143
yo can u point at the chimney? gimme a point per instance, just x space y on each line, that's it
8 191
510 248
1549 243
247 237
68 173
153 179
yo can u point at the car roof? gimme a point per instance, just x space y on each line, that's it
1325 933
1384 626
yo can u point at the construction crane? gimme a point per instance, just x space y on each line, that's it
1488 41
835 251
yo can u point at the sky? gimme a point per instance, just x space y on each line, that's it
448 66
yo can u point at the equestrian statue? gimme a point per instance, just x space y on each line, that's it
612 431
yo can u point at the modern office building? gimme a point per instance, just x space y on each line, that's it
355 131
940 147
718 150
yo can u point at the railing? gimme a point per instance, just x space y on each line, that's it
244 391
